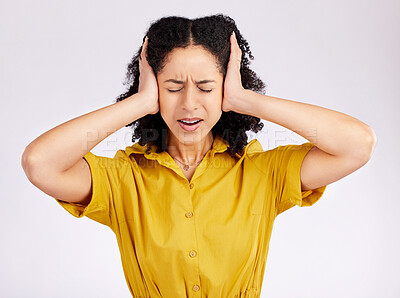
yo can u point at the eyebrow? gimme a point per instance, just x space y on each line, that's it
181 82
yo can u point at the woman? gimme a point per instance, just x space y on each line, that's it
192 204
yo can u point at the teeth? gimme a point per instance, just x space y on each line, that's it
190 122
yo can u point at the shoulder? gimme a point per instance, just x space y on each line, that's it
253 147
280 157
137 158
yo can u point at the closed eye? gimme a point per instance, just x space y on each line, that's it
182 88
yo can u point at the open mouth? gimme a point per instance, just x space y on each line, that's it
189 125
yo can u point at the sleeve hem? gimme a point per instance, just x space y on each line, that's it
80 210
296 196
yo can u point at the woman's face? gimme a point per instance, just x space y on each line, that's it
190 86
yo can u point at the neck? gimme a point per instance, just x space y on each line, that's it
189 153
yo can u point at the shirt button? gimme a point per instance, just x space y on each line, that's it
191 185
189 214
196 288
192 253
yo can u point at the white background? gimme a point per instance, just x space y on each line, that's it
62 59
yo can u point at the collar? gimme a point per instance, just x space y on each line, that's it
219 145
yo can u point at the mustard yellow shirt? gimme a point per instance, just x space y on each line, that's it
207 237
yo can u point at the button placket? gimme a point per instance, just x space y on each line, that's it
192 253
189 214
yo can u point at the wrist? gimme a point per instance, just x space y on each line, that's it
146 103
251 101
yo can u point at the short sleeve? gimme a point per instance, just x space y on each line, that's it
106 173
281 168
287 162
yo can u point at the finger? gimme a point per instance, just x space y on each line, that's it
141 52
235 58
144 49
234 42
236 52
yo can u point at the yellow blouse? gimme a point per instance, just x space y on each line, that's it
207 237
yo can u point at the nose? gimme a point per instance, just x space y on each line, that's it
190 100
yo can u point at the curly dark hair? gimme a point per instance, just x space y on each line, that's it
213 33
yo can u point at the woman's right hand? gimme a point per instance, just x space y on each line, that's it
148 82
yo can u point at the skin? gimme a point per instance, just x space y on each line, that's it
191 64
189 99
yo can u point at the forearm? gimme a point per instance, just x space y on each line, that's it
331 131
61 147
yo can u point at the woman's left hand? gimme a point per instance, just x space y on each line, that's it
234 94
